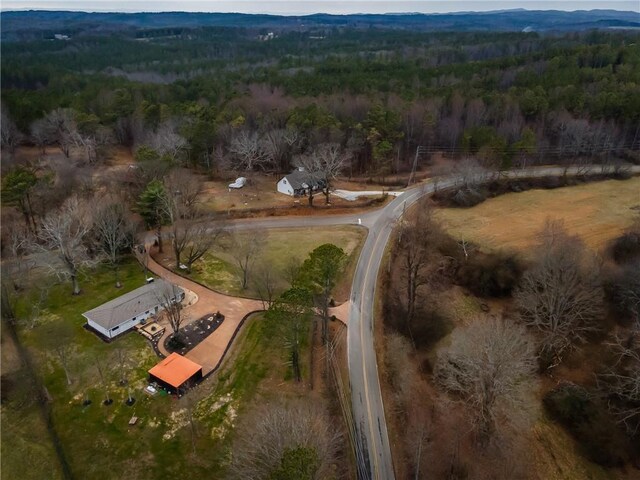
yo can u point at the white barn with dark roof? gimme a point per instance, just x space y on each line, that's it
123 313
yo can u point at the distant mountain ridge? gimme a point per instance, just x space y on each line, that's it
17 24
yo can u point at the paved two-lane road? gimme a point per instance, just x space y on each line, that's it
373 453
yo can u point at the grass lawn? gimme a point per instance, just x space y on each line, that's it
24 437
597 212
219 271
97 439
27 451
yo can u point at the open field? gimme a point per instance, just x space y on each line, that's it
218 269
597 212
96 439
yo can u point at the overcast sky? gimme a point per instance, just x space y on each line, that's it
302 7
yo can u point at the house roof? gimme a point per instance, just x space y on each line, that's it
299 179
175 370
132 304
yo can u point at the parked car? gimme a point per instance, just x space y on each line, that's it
151 389
239 183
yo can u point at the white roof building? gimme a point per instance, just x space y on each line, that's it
123 313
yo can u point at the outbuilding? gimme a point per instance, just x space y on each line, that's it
298 182
121 314
176 373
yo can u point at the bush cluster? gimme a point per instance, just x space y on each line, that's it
427 327
490 275
589 422
626 247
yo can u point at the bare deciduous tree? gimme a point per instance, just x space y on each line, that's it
470 172
244 249
190 233
265 281
490 366
273 431
278 149
58 336
169 299
104 373
620 383
40 134
322 165
122 360
200 238
467 248
167 142
16 276
469 177
93 142
185 187
10 136
114 232
18 267
415 239
61 128
560 297
324 162
291 270
249 151
626 292
64 234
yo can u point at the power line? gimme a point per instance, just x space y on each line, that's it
593 148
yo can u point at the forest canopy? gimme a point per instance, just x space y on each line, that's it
377 93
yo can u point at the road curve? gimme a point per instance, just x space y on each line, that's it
373 454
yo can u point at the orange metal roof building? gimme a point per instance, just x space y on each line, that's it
175 370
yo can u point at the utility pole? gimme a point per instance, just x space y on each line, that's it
420 150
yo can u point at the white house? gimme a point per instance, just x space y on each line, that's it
123 313
299 181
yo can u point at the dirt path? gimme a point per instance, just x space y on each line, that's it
341 312
211 350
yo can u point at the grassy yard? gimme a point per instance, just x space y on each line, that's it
597 212
23 427
219 271
97 439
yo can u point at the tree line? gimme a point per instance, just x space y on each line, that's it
501 97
